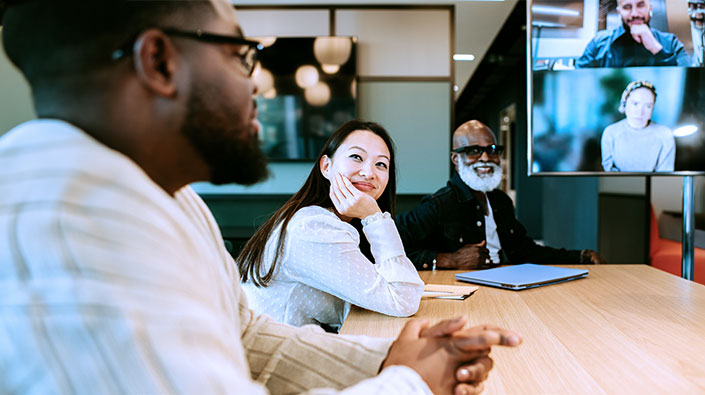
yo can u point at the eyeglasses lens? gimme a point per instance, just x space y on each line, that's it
249 60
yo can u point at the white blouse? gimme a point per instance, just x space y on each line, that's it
322 271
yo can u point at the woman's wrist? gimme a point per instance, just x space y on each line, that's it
375 217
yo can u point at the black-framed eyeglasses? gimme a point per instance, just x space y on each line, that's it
475 151
248 52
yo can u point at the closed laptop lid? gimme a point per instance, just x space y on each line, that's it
523 276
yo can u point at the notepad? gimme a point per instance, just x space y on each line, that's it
455 292
518 277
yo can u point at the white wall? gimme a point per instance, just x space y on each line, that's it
667 194
566 42
284 23
404 55
398 42
15 96
476 25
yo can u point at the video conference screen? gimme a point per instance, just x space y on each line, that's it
616 87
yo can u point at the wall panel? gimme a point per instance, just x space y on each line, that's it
399 42
285 23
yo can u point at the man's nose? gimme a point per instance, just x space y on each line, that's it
485 157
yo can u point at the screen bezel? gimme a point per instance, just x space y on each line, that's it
529 130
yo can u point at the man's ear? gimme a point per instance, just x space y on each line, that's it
155 62
454 159
324 165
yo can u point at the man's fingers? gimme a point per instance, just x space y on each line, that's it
479 338
469 388
475 371
412 329
480 244
445 327
484 255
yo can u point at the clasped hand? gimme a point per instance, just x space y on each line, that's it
349 201
450 359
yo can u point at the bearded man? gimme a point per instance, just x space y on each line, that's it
469 223
696 13
634 42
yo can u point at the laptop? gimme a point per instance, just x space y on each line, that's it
525 276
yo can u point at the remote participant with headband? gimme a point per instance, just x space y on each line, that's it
470 223
636 143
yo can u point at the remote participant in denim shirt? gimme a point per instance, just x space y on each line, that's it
634 43
469 223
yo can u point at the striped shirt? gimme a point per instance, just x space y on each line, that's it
110 285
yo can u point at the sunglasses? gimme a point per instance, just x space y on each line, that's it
475 151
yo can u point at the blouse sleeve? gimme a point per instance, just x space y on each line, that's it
323 252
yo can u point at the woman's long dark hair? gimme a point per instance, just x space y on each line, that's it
314 192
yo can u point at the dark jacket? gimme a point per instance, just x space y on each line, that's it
452 217
617 48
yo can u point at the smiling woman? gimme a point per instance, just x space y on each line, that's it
334 243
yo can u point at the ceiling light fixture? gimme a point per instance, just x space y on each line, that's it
463 57
686 130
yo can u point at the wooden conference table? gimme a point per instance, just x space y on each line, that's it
623 329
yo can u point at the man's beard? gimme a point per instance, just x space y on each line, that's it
483 183
645 21
697 19
232 153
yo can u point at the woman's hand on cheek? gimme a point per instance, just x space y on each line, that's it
349 201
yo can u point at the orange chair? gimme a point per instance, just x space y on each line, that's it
665 254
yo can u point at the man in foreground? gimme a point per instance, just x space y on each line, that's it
634 43
113 274
470 224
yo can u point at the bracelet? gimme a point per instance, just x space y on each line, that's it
374 217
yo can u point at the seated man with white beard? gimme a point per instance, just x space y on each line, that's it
469 223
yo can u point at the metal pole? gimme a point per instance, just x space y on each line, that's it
688 228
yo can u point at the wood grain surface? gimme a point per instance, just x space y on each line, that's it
623 329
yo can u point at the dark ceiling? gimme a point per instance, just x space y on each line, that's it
504 60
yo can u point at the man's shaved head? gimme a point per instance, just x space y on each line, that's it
472 133
74 38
